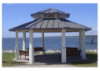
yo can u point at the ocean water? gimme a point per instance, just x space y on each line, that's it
51 43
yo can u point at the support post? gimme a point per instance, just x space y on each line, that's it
63 53
83 45
80 42
16 48
43 40
31 49
24 41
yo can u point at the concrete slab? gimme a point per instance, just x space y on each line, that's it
47 60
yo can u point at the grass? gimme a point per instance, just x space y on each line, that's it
7 58
91 62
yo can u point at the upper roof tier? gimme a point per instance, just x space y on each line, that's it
50 13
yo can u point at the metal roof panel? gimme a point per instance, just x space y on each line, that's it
50 24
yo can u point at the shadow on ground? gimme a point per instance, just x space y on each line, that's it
92 58
55 59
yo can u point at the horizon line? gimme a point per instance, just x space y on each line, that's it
50 36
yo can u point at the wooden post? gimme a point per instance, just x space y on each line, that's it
43 40
24 41
63 53
80 42
16 48
31 49
83 45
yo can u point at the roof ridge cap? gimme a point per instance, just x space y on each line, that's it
33 23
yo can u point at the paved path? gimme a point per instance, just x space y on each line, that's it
41 65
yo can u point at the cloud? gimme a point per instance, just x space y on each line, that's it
92 32
9 3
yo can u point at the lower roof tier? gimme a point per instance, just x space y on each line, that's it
50 25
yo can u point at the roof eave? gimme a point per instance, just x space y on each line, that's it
50 28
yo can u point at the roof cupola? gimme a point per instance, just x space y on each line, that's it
50 13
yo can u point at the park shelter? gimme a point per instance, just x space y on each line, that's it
50 20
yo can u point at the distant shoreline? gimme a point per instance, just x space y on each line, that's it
50 51
56 36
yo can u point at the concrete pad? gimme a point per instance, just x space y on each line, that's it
46 60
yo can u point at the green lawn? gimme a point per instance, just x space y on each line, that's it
7 57
92 61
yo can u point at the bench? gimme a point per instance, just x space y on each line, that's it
36 49
72 53
71 49
26 53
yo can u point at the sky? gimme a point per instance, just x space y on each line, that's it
14 14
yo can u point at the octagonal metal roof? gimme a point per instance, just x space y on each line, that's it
51 24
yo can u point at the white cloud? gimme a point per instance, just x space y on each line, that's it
95 29
92 32
8 3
